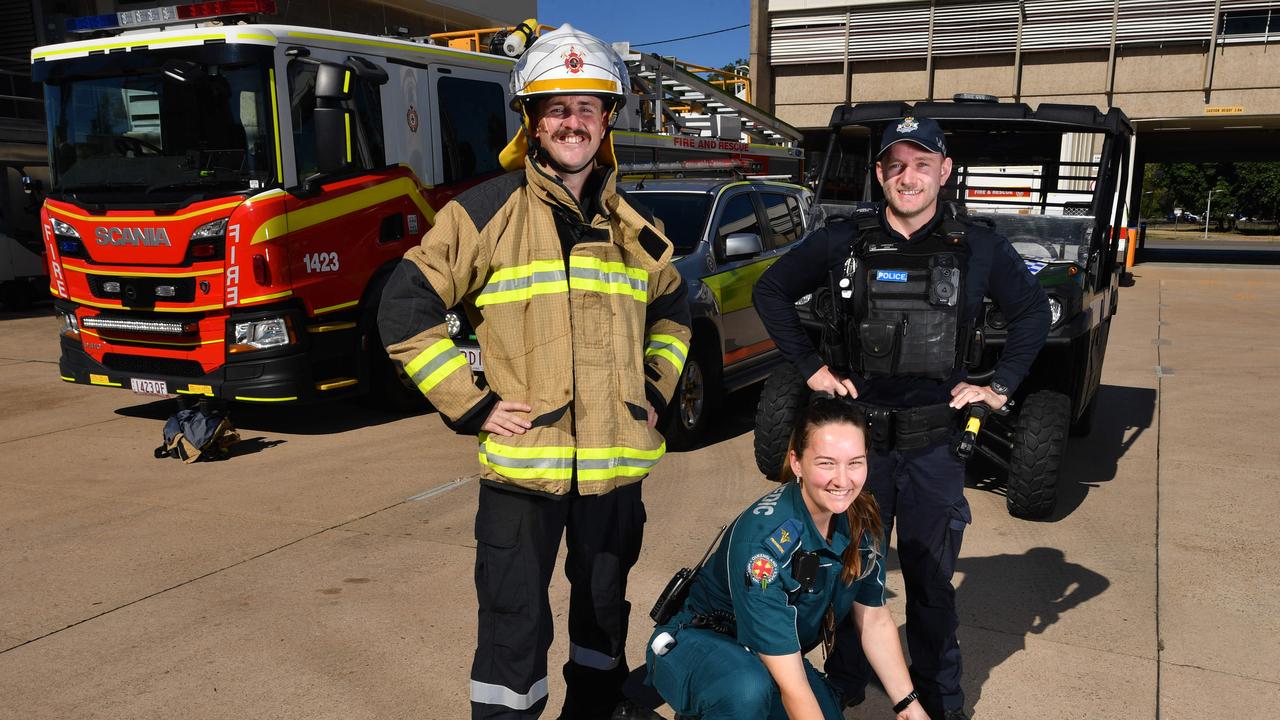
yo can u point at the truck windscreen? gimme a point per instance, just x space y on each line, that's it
161 133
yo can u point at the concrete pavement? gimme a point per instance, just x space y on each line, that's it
326 571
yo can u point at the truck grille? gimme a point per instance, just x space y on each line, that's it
144 365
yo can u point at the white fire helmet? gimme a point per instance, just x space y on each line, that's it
567 61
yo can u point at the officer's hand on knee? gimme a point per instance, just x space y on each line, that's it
506 419
824 380
964 393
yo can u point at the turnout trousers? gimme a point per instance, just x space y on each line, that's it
517 538
921 492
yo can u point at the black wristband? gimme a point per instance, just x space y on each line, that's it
906 701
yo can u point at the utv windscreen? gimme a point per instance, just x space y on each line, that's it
1038 185
159 127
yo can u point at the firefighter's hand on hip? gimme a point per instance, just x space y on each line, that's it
507 419
964 393
827 381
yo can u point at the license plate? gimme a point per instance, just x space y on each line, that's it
473 358
149 387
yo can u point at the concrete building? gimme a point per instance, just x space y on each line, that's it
1200 78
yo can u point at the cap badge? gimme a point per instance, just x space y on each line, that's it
908 125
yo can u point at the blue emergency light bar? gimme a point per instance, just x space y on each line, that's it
129 19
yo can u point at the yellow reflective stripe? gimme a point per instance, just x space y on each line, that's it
547 462
597 464
146 218
591 84
275 123
247 398
522 282
322 212
347 118
614 278
435 364
668 347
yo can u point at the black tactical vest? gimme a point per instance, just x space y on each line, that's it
902 302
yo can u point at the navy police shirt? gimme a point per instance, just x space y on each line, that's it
994 270
750 575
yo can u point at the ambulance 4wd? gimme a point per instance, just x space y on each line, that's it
226 200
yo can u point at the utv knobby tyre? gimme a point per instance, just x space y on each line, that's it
1039 439
781 399
696 400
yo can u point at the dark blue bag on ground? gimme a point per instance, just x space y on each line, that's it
198 434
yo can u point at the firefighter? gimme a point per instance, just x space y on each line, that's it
911 279
794 562
583 326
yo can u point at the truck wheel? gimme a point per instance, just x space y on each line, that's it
781 399
696 400
1039 438
387 390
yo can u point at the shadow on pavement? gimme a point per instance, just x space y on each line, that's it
318 419
1122 416
1015 596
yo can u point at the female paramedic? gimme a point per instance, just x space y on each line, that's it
788 571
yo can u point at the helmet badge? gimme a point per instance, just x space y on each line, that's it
908 125
574 60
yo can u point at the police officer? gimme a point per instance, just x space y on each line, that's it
794 563
584 326
908 282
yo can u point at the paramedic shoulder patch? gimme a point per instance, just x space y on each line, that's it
761 568
783 540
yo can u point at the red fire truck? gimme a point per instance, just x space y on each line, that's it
227 197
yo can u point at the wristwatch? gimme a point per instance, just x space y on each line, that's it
1000 388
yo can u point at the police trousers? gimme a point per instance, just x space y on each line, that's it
922 493
710 676
517 538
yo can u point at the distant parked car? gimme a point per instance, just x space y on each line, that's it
726 233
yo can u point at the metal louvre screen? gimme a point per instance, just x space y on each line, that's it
972 27
964 27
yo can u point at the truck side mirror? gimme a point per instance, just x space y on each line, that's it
333 134
740 246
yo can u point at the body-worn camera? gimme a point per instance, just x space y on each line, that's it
944 281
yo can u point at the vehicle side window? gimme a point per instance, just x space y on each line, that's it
783 213
473 128
739 216
368 146
302 106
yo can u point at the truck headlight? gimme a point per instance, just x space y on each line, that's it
207 240
70 325
253 335
1055 311
67 238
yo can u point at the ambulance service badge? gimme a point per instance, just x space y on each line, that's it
761 569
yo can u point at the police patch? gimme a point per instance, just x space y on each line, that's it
908 125
897 276
761 569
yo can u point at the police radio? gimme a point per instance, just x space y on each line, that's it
673 596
